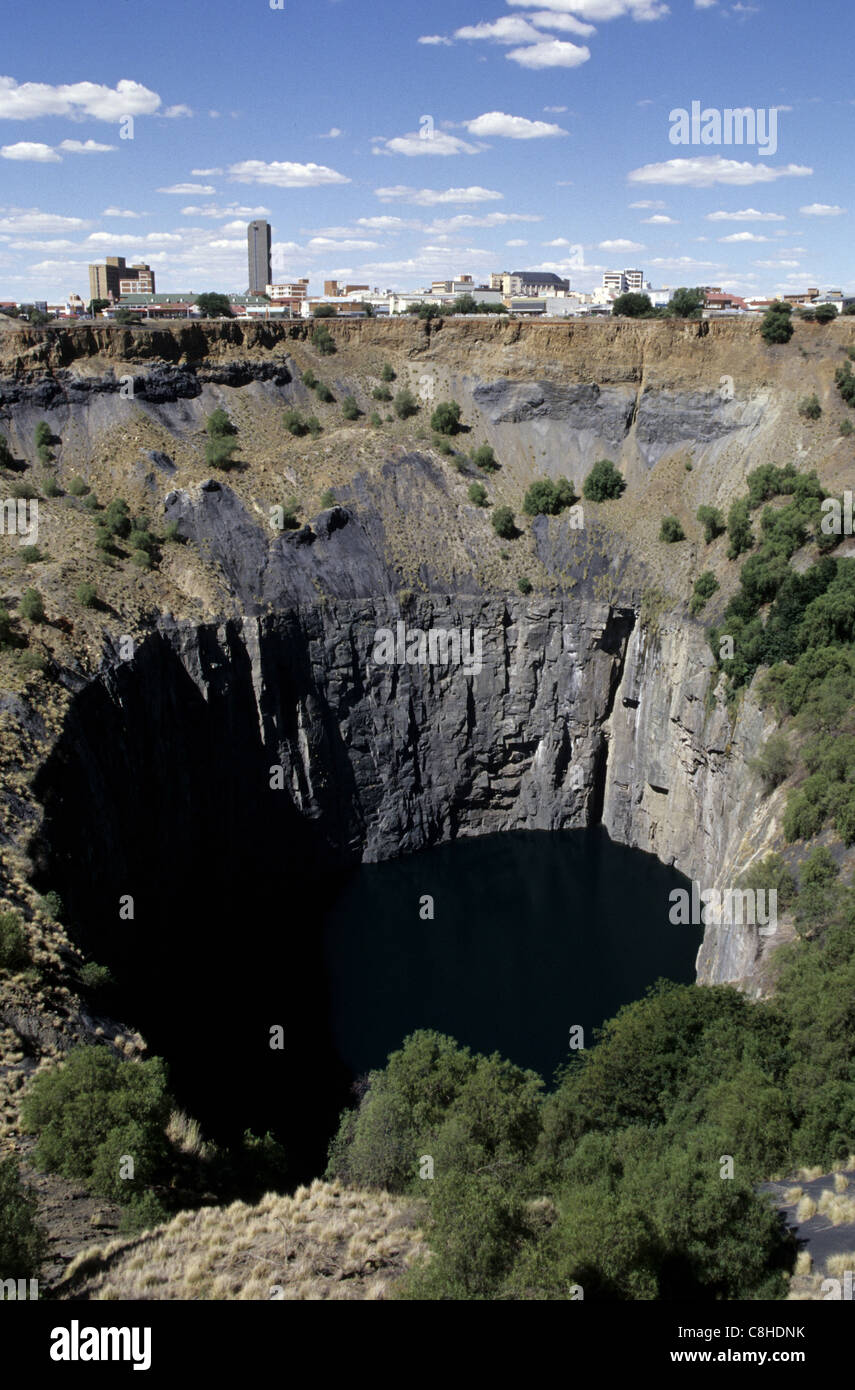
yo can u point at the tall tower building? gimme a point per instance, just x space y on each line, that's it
259 240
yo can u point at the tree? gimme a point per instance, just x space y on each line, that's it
478 494
809 407
294 423
405 404
32 606
774 762
387 372
125 316
603 482
777 323
686 304
324 311
712 521
446 418
739 529
705 586
23 1245
825 313
671 530
219 425
381 393
484 457
324 394
213 305
117 517
349 409
14 948
96 305
633 306
323 341
503 523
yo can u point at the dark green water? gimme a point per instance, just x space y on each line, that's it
533 933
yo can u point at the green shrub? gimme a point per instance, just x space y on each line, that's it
170 532
478 494
142 559
323 341
86 595
52 488
309 379
484 457
503 523
825 313
524 585
294 423
705 586
6 457
809 407
547 498
712 521
446 418
382 393
219 425
314 426
141 539
23 1243
32 606
443 447
44 434
387 374
847 428
32 662
328 498
94 976
14 949
78 488
774 762
91 502
117 517
739 531
405 404
603 482
846 383
5 627
777 326
349 409
95 1109
374 419
219 452
671 530
771 873
323 393
51 905
31 554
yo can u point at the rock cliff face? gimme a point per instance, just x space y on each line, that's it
582 708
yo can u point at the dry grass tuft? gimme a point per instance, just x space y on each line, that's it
325 1242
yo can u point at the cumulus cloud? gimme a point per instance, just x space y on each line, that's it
620 244
509 29
284 174
32 151
745 215
174 112
743 236
552 53
230 210
205 173
430 197
84 147
600 10
438 142
120 212
435 39
649 203
187 188
23 220
498 123
660 219
32 100
822 210
705 170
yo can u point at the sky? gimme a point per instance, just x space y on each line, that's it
392 144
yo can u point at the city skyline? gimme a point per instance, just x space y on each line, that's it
401 147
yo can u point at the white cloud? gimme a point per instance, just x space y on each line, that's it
683 263
332 134
126 239
176 111
85 147
492 219
205 173
565 22
31 150
554 53
430 197
745 215
598 10
621 244
55 245
436 143
516 242
556 110
705 170
649 203
188 188
497 123
822 210
324 243
435 39
120 212
23 220
230 210
509 29
382 224
743 236
284 174
705 4
777 265
660 219
32 100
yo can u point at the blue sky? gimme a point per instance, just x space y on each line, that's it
392 144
